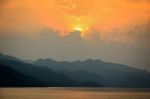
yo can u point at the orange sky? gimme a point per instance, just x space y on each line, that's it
68 15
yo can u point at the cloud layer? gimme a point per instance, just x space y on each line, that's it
105 16
117 30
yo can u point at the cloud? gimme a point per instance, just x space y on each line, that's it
114 20
140 34
119 30
73 47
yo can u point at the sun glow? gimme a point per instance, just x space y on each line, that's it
66 16
80 29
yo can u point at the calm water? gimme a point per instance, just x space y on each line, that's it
72 93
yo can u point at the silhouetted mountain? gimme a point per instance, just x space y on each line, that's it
84 76
2 56
12 78
108 74
87 73
43 74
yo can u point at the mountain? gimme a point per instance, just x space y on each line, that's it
88 73
84 76
42 74
12 78
2 56
108 74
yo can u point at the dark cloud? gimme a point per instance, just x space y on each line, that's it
141 34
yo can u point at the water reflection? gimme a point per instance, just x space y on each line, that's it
66 93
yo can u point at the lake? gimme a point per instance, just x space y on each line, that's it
73 93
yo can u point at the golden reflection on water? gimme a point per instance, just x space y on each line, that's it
66 93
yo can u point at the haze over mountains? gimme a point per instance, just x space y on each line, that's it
48 44
88 73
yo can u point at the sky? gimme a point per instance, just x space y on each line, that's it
112 30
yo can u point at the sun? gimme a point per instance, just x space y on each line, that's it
78 28
82 29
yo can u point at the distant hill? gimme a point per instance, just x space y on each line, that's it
89 73
2 56
12 78
44 76
108 74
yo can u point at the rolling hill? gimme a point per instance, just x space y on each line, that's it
42 75
88 73
108 74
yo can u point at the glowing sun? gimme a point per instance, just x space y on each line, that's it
80 29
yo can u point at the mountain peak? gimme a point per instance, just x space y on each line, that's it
3 56
93 60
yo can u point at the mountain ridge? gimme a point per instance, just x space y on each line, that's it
44 74
114 75
82 73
